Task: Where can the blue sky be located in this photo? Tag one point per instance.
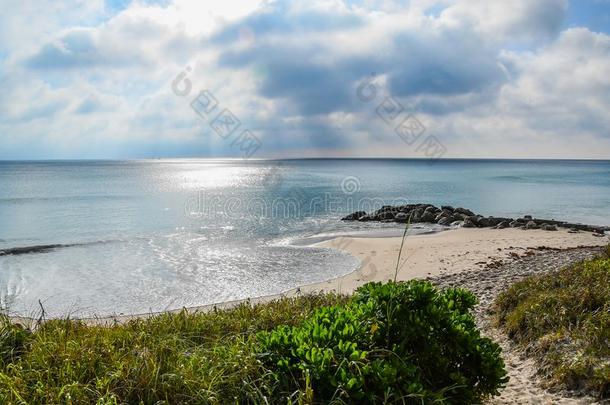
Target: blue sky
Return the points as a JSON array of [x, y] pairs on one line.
[[109, 79]]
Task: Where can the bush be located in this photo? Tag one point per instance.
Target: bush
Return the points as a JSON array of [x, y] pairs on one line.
[[395, 342], [563, 318]]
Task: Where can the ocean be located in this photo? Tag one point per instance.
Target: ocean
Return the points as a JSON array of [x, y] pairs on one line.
[[145, 236]]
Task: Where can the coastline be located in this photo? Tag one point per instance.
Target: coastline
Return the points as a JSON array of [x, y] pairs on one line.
[[427, 255]]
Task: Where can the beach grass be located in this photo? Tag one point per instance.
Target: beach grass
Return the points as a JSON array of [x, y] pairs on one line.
[[317, 348], [168, 358], [563, 319]]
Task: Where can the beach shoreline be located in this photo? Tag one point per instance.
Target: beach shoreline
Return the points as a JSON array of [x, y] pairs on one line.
[[425, 256]]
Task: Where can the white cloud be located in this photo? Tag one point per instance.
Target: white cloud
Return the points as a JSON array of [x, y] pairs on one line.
[[82, 83]]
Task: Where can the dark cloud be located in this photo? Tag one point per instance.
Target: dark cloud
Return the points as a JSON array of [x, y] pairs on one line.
[[277, 19]]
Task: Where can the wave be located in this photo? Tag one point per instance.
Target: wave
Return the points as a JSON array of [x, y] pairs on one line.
[[33, 249], [15, 200]]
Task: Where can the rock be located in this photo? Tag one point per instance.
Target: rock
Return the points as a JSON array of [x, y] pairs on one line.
[[531, 225], [484, 222], [548, 227], [447, 207], [416, 215], [464, 211], [428, 216], [402, 217], [494, 221], [365, 218], [354, 216], [457, 223], [384, 215], [527, 217], [469, 222], [432, 209], [460, 215], [446, 221], [502, 225]]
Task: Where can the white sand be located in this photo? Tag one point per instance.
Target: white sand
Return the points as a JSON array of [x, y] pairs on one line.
[[445, 252]]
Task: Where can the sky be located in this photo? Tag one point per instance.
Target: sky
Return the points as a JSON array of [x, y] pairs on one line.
[[116, 79]]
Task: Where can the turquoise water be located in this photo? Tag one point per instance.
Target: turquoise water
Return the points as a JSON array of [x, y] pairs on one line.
[[146, 236]]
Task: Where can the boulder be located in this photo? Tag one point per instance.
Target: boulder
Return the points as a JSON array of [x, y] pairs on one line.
[[494, 221], [460, 215], [428, 216], [457, 223], [447, 207], [531, 225], [484, 222], [502, 225], [469, 222], [384, 215], [464, 211], [354, 216], [549, 227], [365, 218], [401, 217], [446, 221], [527, 217], [416, 215]]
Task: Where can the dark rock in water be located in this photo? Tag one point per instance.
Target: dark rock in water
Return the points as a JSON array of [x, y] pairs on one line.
[[464, 211], [446, 221], [384, 215], [494, 221], [432, 209], [416, 215], [445, 215], [502, 225], [469, 222], [402, 217], [428, 216], [484, 222], [354, 216]]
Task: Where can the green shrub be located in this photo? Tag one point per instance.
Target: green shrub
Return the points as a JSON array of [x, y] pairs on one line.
[[395, 342], [563, 318]]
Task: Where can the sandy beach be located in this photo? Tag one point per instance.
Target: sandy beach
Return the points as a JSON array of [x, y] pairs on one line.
[[448, 252]]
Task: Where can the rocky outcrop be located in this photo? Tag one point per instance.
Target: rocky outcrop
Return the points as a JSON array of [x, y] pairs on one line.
[[354, 216], [446, 215]]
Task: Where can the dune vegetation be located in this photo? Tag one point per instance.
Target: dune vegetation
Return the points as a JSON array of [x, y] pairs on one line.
[[562, 318], [387, 343]]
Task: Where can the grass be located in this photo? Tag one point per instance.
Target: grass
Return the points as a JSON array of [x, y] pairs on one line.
[[563, 319], [170, 358]]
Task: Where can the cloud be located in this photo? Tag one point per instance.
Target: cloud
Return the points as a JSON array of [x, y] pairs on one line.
[[488, 78]]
